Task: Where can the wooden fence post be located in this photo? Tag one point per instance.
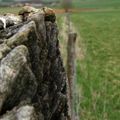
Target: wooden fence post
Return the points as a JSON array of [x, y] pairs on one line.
[[71, 69]]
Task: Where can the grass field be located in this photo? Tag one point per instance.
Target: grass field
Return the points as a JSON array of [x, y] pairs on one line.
[[98, 74], [4, 10], [96, 3]]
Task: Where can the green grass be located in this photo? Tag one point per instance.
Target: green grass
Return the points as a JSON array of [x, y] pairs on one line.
[[4, 10], [98, 74], [96, 3]]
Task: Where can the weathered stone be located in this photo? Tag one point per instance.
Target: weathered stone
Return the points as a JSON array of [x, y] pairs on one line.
[[9, 20], [4, 49], [31, 70], [28, 9], [14, 73], [49, 14], [22, 113], [21, 36]]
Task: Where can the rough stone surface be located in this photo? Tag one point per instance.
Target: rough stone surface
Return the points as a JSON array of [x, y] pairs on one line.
[[32, 76], [22, 113]]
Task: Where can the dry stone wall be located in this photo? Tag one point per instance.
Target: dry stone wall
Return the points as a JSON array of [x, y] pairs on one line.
[[32, 76]]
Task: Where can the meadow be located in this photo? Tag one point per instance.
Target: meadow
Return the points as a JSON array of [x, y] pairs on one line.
[[96, 3], [14, 10], [98, 74], [98, 71], [98, 68]]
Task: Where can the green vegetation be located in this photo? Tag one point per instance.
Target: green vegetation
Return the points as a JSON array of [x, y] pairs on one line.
[[98, 74], [96, 3], [4, 10]]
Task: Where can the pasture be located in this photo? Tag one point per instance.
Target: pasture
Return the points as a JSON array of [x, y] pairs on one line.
[[98, 71], [98, 74], [4, 10], [96, 4]]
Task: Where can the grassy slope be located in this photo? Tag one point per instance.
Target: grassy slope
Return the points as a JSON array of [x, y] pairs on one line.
[[100, 79]]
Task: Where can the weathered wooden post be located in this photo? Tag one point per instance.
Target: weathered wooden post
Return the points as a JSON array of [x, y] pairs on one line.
[[67, 4], [71, 69]]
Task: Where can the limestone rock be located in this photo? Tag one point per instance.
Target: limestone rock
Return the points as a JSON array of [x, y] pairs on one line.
[[32, 76], [22, 113]]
